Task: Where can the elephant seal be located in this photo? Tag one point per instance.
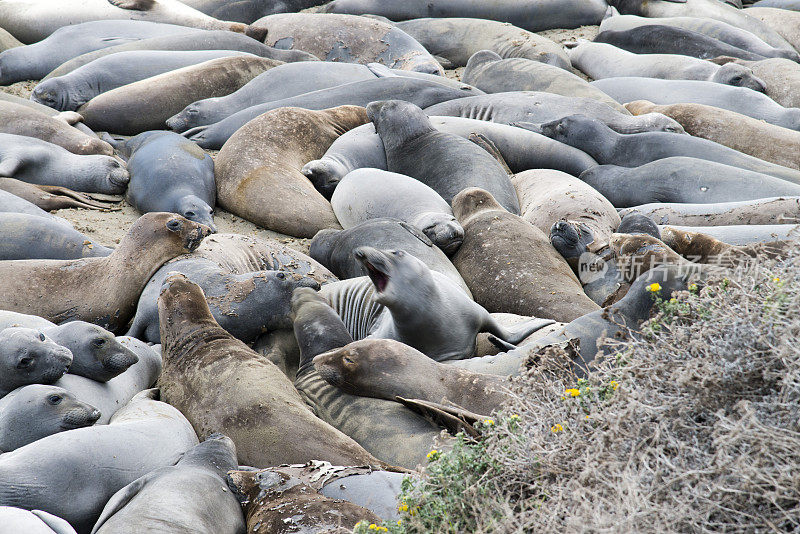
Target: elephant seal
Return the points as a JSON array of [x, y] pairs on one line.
[[385, 305], [39, 162], [361, 197], [386, 369], [335, 248], [8, 41], [751, 136], [20, 120], [33, 237], [191, 496], [36, 411], [36, 60], [608, 147], [599, 60], [258, 170], [535, 106], [110, 396], [385, 428], [456, 39], [218, 382], [637, 223], [420, 92], [781, 75], [656, 39], [95, 462], [29, 357], [702, 248], [276, 503], [415, 148], [746, 234], [348, 39], [170, 173], [638, 253], [99, 290], [12, 204], [784, 22], [528, 276], [548, 196], [33, 521], [34, 21], [716, 29], [738, 99], [247, 11], [45, 198], [773, 210], [204, 40], [684, 180], [72, 90], [147, 104], [533, 16], [489, 72]]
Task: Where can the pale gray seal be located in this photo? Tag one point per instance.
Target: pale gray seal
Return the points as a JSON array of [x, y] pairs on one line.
[[28, 236], [27, 356], [33, 521], [247, 11], [773, 210]]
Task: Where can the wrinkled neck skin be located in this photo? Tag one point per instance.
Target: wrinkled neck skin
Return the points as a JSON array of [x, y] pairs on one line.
[[213, 454], [401, 129], [318, 329], [186, 323]]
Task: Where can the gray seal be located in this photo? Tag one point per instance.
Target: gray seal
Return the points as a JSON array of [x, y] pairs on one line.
[[36, 411], [13, 204], [33, 521], [39, 162], [445, 162], [247, 11], [781, 75], [685, 180], [190, 496], [27, 356], [599, 60], [95, 462], [772, 210], [489, 72], [33, 237], [170, 173]]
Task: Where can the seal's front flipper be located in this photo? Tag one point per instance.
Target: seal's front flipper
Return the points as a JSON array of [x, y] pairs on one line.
[[453, 418], [487, 144], [56, 524], [497, 342], [518, 333], [136, 5], [74, 199], [120, 499]]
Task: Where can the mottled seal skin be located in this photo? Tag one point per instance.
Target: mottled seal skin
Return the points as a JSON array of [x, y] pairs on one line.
[[456, 39], [20, 120], [334, 248], [386, 369], [27, 356], [536, 106], [385, 428], [36, 411], [444, 162], [608, 147], [782, 21], [95, 462], [531, 15], [205, 40], [600, 60], [34, 61], [638, 253], [110, 396], [219, 383], [258, 170], [72, 90], [247, 11], [510, 265], [491, 73], [99, 290], [147, 104], [750, 136], [349, 39], [190, 496], [39, 162], [33, 237], [745, 234], [773, 210], [33, 21], [275, 503], [33, 522], [420, 92], [738, 99], [684, 180], [702, 248], [170, 173], [361, 196]]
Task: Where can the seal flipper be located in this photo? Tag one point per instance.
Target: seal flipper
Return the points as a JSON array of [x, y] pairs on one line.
[[487, 144], [56, 524], [518, 333], [75, 199], [121, 498], [381, 71], [453, 418], [135, 5]]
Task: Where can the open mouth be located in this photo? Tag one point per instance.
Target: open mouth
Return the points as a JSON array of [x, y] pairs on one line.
[[378, 278]]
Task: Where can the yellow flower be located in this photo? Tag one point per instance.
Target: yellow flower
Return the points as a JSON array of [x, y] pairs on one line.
[[514, 417], [373, 526], [382, 529], [776, 279], [572, 392], [614, 385], [399, 522], [556, 428], [402, 508], [655, 286], [433, 455], [692, 287], [673, 300], [488, 422]]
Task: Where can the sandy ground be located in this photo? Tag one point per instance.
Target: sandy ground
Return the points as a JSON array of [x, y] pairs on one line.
[[108, 227]]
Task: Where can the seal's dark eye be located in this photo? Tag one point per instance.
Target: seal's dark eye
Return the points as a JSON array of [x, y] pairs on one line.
[[99, 342], [348, 360], [280, 276], [189, 214], [24, 362], [41, 336], [174, 225], [54, 399]]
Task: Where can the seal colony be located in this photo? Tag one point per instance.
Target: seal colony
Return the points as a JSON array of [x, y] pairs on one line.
[[415, 235]]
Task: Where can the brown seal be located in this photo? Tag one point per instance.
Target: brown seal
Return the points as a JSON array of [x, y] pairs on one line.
[[387, 369], [276, 503], [258, 169], [638, 253], [702, 248], [103, 291], [147, 104], [221, 385], [53, 197], [510, 265], [751, 136]]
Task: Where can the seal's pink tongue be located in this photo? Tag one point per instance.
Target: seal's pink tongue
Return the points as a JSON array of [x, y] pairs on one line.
[[378, 278]]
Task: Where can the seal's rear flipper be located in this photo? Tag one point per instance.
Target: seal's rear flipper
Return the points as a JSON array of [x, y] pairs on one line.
[[497, 342], [121, 498], [518, 333], [257, 33], [56, 524], [453, 418], [135, 5], [74, 199], [487, 144]]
